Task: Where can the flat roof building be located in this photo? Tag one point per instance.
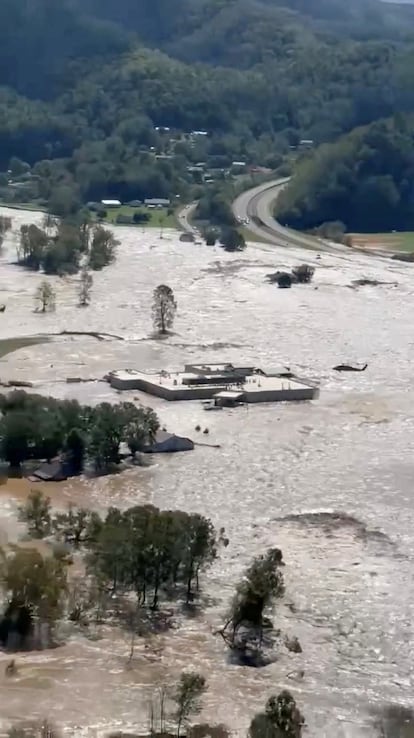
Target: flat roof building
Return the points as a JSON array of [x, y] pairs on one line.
[[157, 202], [205, 382]]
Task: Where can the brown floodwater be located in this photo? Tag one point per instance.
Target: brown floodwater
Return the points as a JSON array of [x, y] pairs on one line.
[[281, 473]]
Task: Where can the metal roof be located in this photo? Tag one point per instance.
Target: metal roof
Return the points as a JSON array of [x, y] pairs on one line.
[[229, 395]]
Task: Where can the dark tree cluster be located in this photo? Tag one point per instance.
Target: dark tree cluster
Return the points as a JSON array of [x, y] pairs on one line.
[[147, 551], [59, 246], [34, 587], [261, 585], [363, 180], [142, 550], [37, 427], [302, 274], [280, 719]]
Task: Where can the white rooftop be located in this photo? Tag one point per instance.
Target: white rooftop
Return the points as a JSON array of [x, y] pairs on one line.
[[172, 380]]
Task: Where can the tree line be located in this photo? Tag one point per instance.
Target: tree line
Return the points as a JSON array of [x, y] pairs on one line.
[[175, 706], [61, 245], [81, 144], [143, 550], [154, 556], [33, 427], [363, 181]]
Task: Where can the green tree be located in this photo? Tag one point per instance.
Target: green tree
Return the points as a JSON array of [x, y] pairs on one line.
[[85, 286], [232, 240], [36, 513], [63, 250], [17, 433], [102, 249], [30, 580], [281, 719], [18, 167], [210, 236], [45, 297], [32, 246], [75, 448], [187, 697], [77, 527], [164, 308], [200, 549], [5, 224], [64, 199], [262, 583], [148, 551]]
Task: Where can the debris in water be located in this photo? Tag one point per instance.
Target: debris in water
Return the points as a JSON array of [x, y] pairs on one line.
[[350, 367]]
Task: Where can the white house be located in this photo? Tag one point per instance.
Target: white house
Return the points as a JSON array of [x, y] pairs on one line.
[[111, 203]]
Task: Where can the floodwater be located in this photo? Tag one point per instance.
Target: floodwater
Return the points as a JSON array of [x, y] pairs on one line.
[[349, 584]]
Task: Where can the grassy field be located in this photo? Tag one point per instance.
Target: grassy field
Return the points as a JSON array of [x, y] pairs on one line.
[[159, 217], [401, 241], [251, 236], [33, 206]]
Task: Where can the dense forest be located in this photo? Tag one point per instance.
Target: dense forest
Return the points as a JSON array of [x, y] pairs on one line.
[[85, 107], [365, 180]]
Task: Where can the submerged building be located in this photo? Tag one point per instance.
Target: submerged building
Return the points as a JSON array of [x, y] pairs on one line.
[[206, 382]]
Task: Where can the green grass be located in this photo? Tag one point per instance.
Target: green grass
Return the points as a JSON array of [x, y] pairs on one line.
[[398, 241], [33, 206], [159, 217], [251, 236], [9, 345], [405, 240]]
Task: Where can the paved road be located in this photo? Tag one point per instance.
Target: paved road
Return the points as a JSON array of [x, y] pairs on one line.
[[257, 205], [184, 217]]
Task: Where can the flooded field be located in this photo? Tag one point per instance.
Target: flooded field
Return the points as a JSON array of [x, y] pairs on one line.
[[280, 475]]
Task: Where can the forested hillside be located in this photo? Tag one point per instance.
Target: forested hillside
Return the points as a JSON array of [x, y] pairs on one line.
[[365, 180], [84, 86]]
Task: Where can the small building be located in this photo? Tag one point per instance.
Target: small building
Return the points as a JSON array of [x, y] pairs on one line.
[[167, 443], [54, 471], [134, 203], [111, 203], [228, 398], [156, 202]]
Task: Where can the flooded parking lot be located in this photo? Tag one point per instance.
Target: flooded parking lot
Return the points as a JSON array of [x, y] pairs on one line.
[[349, 590]]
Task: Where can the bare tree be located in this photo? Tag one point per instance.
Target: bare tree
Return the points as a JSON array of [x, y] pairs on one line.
[[85, 286], [45, 297], [164, 308], [157, 711]]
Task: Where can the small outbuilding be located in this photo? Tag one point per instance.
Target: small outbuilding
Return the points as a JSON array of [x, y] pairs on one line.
[[156, 202], [53, 471], [167, 443], [228, 398], [111, 203]]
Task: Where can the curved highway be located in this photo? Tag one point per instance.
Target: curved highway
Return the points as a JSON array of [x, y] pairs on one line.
[[256, 206]]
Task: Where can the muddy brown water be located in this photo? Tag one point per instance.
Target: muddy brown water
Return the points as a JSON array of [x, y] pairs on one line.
[[280, 478]]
